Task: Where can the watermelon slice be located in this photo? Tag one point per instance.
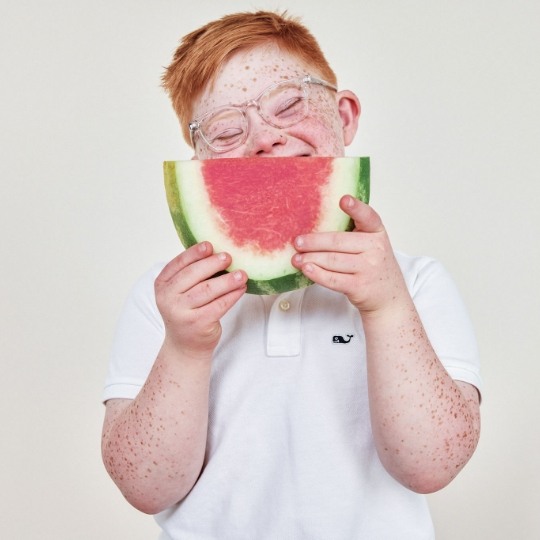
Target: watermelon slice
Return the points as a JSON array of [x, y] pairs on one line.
[[253, 208]]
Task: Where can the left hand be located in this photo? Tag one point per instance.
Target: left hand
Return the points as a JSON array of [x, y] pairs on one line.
[[359, 264]]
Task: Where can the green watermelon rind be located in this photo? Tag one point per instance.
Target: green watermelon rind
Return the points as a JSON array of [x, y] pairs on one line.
[[173, 170]]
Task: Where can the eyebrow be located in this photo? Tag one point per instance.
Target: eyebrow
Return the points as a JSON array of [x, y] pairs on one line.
[[300, 78]]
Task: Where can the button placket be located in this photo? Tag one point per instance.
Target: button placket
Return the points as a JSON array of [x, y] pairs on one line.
[[284, 325]]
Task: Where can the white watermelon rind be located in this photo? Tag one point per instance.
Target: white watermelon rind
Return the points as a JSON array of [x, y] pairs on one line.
[[195, 220]]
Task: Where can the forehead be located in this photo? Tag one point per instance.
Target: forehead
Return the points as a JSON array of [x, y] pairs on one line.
[[246, 74]]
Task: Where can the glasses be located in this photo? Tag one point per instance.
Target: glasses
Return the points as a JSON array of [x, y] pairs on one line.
[[281, 105]]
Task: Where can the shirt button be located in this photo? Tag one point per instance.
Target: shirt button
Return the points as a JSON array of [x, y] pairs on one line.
[[284, 305]]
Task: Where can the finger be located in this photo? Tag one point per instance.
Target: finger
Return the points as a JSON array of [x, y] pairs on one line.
[[364, 217], [336, 281], [199, 271], [216, 288], [344, 242], [196, 264], [333, 261], [187, 257], [224, 303]]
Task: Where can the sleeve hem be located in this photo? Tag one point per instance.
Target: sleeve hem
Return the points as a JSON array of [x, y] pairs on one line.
[[120, 391], [465, 375]]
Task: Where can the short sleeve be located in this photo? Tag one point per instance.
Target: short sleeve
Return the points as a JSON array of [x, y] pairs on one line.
[[137, 340], [444, 317]]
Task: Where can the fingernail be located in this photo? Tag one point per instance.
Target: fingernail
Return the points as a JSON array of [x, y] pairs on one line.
[[350, 202], [298, 258], [308, 268], [299, 241], [203, 247], [222, 256], [238, 275]]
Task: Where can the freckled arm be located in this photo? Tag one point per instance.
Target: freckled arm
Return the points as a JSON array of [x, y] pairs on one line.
[[426, 426], [153, 446]]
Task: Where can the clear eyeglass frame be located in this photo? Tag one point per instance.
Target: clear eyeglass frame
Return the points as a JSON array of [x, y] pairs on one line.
[[238, 135]]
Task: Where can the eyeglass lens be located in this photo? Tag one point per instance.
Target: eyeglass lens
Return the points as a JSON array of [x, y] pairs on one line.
[[281, 106]]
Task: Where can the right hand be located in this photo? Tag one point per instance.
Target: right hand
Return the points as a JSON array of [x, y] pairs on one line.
[[192, 301]]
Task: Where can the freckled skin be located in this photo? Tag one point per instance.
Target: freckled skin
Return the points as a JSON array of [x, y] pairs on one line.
[[153, 446], [425, 425], [147, 448], [244, 77]]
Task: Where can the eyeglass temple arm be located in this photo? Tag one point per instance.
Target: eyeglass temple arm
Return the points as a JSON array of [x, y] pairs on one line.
[[314, 80]]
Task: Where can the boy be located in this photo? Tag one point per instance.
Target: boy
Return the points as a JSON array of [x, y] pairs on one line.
[[233, 416]]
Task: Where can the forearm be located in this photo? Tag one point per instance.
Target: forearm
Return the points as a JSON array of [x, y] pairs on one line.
[[425, 427], [154, 447]]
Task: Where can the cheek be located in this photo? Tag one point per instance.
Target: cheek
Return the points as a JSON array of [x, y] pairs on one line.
[[202, 152], [326, 113], [324, 125]]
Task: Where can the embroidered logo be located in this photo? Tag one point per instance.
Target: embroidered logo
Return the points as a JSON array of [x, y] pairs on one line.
[[341, 339]]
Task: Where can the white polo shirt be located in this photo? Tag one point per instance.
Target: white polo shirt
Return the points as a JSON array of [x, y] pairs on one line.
[[290, 453]]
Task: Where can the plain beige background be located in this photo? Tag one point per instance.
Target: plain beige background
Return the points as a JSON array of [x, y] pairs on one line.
[[451, 120]]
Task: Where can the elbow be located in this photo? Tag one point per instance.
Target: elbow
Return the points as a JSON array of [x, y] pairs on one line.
[[425, 476], [422, 481], [151, 498], [150, 494], [425, 485], [143, 501], [144, 496], [435, 470], [429, 480], [150, 507]]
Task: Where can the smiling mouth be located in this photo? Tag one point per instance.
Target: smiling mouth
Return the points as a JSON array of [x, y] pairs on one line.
[[288, 156]]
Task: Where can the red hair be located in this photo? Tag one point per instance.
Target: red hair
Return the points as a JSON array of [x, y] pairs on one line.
[[202, 52]]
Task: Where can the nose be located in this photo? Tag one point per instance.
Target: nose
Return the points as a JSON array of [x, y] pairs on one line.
[[263, 139]]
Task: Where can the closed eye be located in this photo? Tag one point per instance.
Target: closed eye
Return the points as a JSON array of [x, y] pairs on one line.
[[227, 136], [290, 107]]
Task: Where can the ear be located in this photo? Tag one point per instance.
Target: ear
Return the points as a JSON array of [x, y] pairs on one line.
[[349, 111]]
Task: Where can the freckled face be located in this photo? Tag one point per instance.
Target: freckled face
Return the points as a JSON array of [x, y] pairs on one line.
[[244, 77]]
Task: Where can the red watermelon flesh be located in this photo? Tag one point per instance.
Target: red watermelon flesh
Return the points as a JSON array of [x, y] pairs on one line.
[[253, 208], [286, 199]]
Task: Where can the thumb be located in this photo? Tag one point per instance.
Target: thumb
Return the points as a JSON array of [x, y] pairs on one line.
[[364, 217]]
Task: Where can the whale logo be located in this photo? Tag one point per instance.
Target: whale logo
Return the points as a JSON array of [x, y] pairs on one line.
[[341, 339]]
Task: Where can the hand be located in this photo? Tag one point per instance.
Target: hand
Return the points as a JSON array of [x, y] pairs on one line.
[[360, 264], [192, 301]]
